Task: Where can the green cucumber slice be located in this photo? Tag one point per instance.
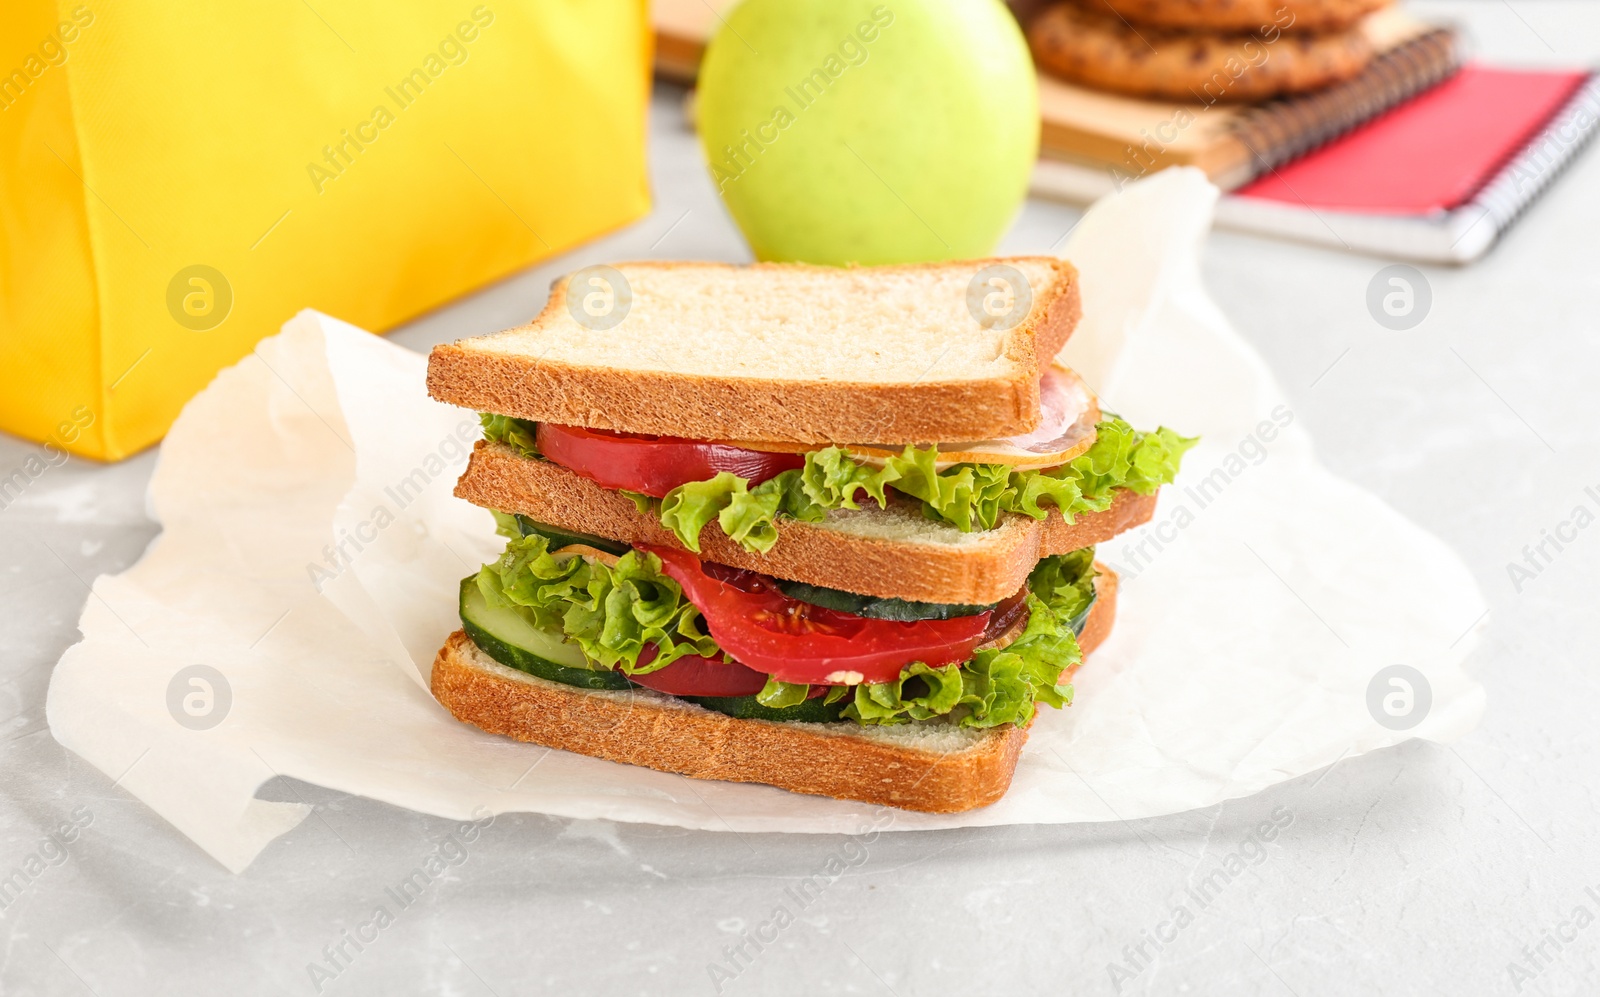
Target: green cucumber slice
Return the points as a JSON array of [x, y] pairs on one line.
[[746, 708], [899, 610], [559, 537], [506, 636]]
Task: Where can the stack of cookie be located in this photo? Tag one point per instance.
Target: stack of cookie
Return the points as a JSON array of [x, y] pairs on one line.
[[1204, 51]]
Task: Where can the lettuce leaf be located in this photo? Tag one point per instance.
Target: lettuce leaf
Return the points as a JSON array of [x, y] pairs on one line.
[[518, 434], [1066, 584], [999, 685], [506, 524], [781, 694], [831, 479], [967, 496], [972, 496], [647, 505], [747, 515], [922, 692], [612, 613]]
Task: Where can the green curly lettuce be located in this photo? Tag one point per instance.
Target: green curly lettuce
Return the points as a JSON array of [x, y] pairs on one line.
[[831, 478], [646, 504], [1066, 584], [506, 524], [998, 686], [973, 496], [612, 612], [967, 496], [518, 434], [780, 695], [746, 514]]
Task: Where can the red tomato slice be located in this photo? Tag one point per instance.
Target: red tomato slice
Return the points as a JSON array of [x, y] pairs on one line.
[[795, 641], [697, 676], [654, 465]]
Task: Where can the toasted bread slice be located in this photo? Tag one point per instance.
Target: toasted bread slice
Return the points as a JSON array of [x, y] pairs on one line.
[[778, 352], [930, 767], [892, 553]]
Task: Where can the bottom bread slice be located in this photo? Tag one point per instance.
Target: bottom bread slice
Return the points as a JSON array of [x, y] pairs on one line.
[[929, 767]]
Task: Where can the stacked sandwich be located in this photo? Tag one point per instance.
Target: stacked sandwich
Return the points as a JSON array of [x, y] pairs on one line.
[[826, 529], [1204, 50]]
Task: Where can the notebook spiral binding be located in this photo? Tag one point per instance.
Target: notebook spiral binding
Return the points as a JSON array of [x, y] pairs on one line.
[[1281, 130], [1510, 192]]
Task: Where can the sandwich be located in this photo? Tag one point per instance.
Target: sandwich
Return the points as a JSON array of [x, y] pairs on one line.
[[831, 530]]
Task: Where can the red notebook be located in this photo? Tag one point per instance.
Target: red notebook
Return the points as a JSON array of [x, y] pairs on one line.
[[1438, 178], [1431, 154]]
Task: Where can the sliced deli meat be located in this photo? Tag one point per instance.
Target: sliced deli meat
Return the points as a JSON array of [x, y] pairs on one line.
[[1068, 410]]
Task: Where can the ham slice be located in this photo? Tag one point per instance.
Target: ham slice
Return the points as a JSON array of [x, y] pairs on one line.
[[1068, 410], [1069, 413]]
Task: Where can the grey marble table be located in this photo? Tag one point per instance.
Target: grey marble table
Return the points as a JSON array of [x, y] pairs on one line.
[[1472, 868]]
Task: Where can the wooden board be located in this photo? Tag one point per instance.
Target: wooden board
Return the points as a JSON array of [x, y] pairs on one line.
[[682, 29]]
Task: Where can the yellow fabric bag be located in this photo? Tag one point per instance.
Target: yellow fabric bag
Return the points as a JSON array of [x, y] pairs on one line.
[[178, 178]]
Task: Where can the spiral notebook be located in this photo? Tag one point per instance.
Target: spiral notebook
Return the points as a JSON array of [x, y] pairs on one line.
[[1436, 179]]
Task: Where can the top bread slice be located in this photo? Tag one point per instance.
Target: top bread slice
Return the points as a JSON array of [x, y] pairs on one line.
[[892, 553], [779, 351]]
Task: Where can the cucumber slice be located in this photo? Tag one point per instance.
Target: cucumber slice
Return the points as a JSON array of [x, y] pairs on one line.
[[746, 708], [899, 610], [561, 538], [506, 636]]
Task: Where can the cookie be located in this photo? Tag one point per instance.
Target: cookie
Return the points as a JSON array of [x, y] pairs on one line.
[[1080, 44], [1244, 15]]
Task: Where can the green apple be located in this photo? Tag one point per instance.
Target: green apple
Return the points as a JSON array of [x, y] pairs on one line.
[[869, 131]]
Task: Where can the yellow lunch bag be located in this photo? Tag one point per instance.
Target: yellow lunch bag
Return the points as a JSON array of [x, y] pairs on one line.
[[178, 178]]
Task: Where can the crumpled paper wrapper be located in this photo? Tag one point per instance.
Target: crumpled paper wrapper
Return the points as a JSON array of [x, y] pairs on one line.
[[284, 621]]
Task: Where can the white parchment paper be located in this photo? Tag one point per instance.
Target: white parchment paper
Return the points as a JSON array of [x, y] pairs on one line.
[[284, 620]]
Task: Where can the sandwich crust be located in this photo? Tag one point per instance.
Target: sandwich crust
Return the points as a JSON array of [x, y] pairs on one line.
[[541, 385], [920, 561], [951, 771]]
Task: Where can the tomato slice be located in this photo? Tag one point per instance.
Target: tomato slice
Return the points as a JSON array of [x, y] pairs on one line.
[[697, 676], [654, 465], [795, 641]]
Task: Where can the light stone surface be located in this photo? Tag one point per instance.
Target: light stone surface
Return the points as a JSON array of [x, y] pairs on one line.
[[1422, 869]]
